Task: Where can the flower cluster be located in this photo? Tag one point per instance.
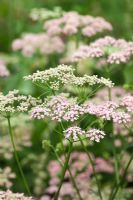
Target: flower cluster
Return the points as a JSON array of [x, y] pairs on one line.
[[38, 43], [108, 111], [62, 108], [123, 103], [115, 51], [95, 134], [6, 175], [8, 195], [3, 69], [64, 75], [72, 22], [82, 172], [58, 108], [127, 101], [75, 132], [85, 51], [14, 102]]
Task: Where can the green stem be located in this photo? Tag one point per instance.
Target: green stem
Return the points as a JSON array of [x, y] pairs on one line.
[[116, 165], [122, 180], [71, 176], [16, 156], [109, 94], [74, 184], [116, 168], [116, 173], [107, 69], [65, 167], [94, 171]]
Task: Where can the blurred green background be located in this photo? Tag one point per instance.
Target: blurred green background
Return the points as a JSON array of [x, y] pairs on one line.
[[14, 15]]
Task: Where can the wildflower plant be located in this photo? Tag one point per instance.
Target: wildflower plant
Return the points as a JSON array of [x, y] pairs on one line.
[[70, 103], [67, 110], [11, 104]]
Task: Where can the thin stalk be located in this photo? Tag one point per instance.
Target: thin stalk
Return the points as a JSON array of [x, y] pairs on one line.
[[115, 157], [70, 173], [92, 164], [118, 181], [116, 165], [116, 168], [108, 76], [16, 156], [74, 184], [109, 94], [59, 160], [65, 167], [122, 180], [71, 176]]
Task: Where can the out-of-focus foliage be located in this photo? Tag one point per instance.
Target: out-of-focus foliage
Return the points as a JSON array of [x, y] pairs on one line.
[[14, 15]]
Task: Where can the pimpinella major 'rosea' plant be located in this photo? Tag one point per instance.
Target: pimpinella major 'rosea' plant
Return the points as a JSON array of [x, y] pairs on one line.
[[67, 97], [69, 110]]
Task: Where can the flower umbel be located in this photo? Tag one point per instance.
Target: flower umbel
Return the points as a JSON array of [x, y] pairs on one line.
[[14, 102], [73, 132], [95, 134], [63, 75]]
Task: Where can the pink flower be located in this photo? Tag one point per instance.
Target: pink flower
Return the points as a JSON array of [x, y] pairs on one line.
[[88, 31], [121, 117], [114, 51], [127, 101], [69, 29], [95, 134], [72, 22], [73, 132], [118, 57]]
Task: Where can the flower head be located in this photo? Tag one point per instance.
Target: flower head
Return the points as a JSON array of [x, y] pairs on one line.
[[63, 75], [73, 132], [31, 43], [71, 23], [95, 134], [14, 102], [108, 111], [127, 101], [113, 50], [58, 108]]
